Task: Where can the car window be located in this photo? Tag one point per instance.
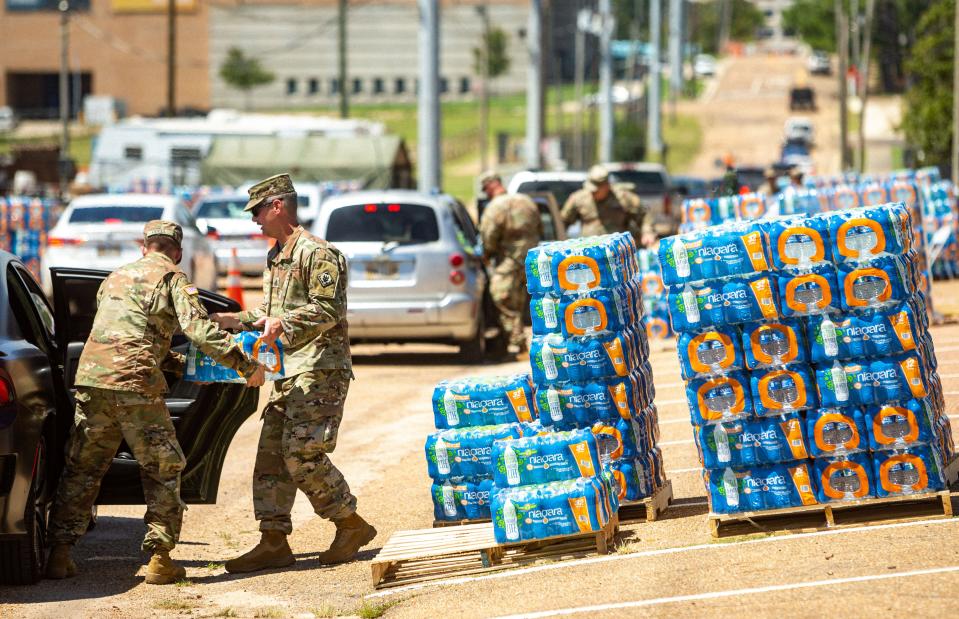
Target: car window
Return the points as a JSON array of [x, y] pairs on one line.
[[224, 208], [464, 225], [383, 223], [115, 214], [546, 216], [643, 181], [24, 308], [561, 190], [302, 200]]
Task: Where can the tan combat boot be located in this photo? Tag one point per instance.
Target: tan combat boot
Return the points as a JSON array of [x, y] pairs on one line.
[[352, 533], [163, 570], [272, 551], [60, 564]]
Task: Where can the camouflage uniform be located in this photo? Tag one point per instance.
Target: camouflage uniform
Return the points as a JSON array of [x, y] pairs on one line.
[[120, 387], [621, 211], [305, 286], [510, 227]]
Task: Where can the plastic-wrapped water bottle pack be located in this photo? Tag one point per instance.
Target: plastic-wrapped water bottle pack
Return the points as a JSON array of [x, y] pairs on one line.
[[811, 375]]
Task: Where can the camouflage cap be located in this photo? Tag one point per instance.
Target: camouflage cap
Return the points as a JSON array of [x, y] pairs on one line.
[[158, 227], [488, 176], [277, 185], [597, 175]]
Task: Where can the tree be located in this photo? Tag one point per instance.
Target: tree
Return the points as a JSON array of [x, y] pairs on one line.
[[244, 73], [490, 60], [927, 118], [704, 23]]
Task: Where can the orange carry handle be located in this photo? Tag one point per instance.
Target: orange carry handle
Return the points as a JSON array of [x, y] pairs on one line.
[[611, 431], [738, 406], [710, 336], [565, 265], [698, 211], [889, 411], [860, 222], [595, 304], [751, 207], [844, 465], [796, 231], [845, 197], [790, 336], [852, 443], [796, 282], [874, 195], [850, 281], [771, 404], [271, 346], [889, 486]]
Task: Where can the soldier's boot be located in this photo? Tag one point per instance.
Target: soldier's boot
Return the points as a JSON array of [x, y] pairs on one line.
[[272, 551], [352, 533], [162, 570], [60, 564]]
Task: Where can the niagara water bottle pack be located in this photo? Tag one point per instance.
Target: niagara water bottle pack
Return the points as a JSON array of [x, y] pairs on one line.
[[470, 414], [700, 213], [589, 354], [655, 306], [810, 371], [203, 368]]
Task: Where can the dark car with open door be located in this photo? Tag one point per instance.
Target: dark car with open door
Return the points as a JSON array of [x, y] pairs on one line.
[[40, 345]]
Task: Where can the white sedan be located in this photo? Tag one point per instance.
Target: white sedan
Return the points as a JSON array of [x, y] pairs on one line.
[[105, 231]]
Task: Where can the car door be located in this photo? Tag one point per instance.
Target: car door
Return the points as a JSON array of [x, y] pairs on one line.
[[205, 416]]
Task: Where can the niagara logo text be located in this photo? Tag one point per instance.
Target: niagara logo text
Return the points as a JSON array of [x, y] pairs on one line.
[[878, 375], [538, 514], [547, 459], [765, 435], [474, 451], [492, 403], [772, 480]]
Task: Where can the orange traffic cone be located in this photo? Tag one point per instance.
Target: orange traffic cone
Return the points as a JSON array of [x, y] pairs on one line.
[[234, 283]]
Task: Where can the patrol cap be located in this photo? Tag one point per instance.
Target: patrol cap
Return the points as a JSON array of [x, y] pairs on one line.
[[597, 175], [275, 186], [158, 227], [488, 176]]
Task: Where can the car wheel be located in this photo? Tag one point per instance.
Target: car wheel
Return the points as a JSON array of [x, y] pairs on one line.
[[21, 558], [474, 351]]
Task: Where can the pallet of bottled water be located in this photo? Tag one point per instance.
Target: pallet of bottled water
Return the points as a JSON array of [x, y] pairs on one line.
[[810, 372]]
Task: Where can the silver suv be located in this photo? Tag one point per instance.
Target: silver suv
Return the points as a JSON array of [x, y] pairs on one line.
[[414, 269]]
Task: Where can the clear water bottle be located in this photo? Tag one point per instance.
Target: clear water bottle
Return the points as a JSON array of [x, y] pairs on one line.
[[442, 457]]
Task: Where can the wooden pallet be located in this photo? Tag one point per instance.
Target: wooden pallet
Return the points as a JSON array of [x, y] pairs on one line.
[[431, 554], [647, 509], [884, 510], [458, 523]]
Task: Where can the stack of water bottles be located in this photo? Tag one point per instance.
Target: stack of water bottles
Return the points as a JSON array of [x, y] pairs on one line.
[[655, 306], [24, 223], [810, 371], [701, 213], [470, 414], [590, 353]]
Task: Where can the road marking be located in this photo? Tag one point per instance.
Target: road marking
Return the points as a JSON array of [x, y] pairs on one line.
[[712, 595], [685, 441], [654, 553]]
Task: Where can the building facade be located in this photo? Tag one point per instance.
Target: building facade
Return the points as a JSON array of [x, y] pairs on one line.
[[116, 48]]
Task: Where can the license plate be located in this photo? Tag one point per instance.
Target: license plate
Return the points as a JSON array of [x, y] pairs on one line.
[[382, 270]]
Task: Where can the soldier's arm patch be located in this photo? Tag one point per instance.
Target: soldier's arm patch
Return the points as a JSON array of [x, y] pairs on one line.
[[325, 278], [191, 290]]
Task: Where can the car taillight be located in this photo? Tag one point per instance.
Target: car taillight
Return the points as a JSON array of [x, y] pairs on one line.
[[6, 392], [393, 208], [456, 260], [59, 241], [213, 235], [457, 277]]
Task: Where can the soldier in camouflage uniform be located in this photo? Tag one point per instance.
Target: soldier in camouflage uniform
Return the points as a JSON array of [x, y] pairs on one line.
[[120, 387], [603, 209], [510, 227], [304, 304]]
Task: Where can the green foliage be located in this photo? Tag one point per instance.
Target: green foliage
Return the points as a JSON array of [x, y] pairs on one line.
[[927, 120], [242, 72], [813, 21], [629, 143], [497, 57], [704, 23]]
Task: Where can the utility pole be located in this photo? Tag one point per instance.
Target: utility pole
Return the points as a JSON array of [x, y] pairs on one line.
[[955, 105], [865, 49], [171, 59], [341, 40], [483, 11], [675, 53], [842, 37], [428, 134], [534, 85], [725, 23], [582, 23], [654, 141], [64, 7], [605, 98]]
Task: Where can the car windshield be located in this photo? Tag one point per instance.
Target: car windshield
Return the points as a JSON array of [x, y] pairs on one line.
[[116, 214], [405, 224], [643, 181], [561, 190], [223, 209]]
